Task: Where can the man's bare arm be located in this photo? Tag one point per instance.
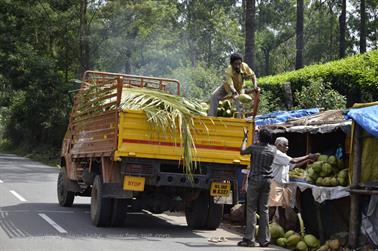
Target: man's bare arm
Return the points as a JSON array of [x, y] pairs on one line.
[[302, 163], [309, 157], [243, 147]]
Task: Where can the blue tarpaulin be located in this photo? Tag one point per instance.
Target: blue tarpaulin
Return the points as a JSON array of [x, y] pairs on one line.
[[367, 118], [283, 116]]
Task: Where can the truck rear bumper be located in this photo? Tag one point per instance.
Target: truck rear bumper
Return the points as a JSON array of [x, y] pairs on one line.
[[170, 173]]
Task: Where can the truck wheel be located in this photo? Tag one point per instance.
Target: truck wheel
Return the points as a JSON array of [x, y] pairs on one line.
[[100, 206], [65, 198], [203, 213], [196, 212], [119, 212], [215, 215]]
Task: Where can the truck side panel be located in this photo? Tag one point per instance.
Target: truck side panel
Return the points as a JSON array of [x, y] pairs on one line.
[[217, 140], [95, 135]]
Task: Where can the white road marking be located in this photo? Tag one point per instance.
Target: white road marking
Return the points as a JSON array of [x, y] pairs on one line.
[[1, 181], [37, 211], [17, 196], [53, 224]]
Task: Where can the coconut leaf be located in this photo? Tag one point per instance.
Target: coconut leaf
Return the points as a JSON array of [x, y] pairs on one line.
[[169, 114]]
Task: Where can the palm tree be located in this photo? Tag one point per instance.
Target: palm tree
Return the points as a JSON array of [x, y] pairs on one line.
[[342, 24], [299, 35], [362, 26], [250, 29]]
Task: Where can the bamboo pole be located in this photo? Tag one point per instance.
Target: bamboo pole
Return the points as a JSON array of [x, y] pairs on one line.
[[364, 192], [354, 219]]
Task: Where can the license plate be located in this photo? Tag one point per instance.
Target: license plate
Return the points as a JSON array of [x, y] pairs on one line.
[[220, 189], [133, 183]]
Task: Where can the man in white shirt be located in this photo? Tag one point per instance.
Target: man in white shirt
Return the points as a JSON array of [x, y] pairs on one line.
[[282, 193]]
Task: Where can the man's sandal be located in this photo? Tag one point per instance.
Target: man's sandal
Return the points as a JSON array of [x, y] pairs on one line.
[[246, 243]]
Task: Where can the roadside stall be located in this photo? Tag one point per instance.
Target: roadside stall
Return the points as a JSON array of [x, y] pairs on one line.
[[364, 169], [338, 199], [322, 188], [276, 117]]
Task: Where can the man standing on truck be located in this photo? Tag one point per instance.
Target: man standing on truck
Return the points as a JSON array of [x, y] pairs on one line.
[[233, 84], [259, 181], [282, 193]]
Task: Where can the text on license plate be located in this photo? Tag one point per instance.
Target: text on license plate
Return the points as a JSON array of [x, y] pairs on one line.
[[220, 189]]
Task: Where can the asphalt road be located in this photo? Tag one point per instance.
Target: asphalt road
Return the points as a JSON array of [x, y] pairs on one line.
[[31, 219]]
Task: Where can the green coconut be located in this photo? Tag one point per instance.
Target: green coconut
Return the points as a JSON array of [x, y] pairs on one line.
[[323, 157], [323, 174], [334, 244], [281, 242], [220, 111], [245, 98], [319, 181], [227, 113], [317, 166], [227, 104], [340, 164], [311, 241], [293, 240], [276, 231], [301, 246], [327, 181], [343, 174], [204, 106], [326, 168], [334, 181], [289, 233], [341, 181], [310, 172], [323, 248], [332, 160]]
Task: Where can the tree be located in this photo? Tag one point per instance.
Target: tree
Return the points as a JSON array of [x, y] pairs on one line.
[[83, 37], [250, 28], [342, 27], [362, 26], [299, 35]]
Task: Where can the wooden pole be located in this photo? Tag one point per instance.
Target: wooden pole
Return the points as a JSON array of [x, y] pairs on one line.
[[364, 192], [320, 223], [354, 219]]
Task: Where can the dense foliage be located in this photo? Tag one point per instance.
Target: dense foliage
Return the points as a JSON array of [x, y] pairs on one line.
[[355, 77], [44, 44]]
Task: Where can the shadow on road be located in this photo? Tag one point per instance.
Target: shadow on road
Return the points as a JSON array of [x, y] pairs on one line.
[[22, 220]]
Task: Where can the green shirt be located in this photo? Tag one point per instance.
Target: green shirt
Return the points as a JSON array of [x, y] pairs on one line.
[[233, 78]]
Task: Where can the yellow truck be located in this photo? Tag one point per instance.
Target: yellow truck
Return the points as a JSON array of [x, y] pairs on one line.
[[109, 154]]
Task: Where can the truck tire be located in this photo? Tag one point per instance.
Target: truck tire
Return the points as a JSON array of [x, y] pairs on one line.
[[119, 212], [100, 206], [196, 212], [215, 215], [203, 213], [65, 198]]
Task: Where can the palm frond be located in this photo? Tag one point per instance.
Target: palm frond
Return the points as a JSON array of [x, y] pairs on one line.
[[169, 114]]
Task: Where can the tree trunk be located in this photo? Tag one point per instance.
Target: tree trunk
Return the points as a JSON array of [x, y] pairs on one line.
[[267, 61], [242, 20], [342, 27], [66, 63], [127, 67], [250, 28], [83, 37], [331, 38], [299, 35], [362, 27]]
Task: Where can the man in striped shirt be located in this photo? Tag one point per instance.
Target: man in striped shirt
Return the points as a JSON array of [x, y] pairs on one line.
[[259, 181]]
